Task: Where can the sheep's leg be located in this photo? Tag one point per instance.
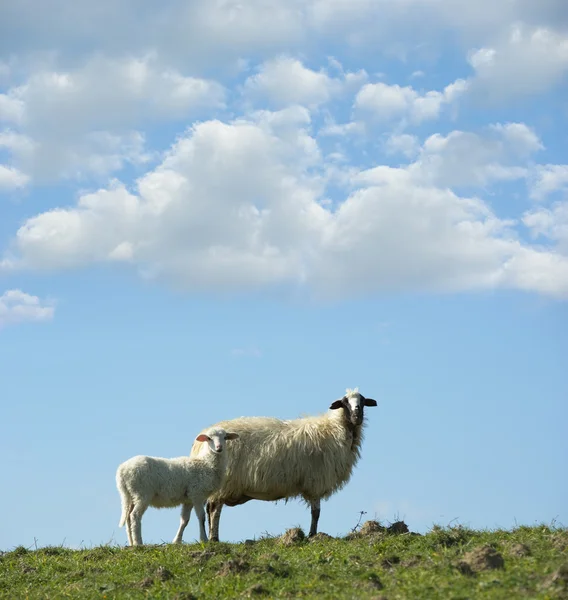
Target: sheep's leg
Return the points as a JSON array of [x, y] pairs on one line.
[[129, 523], [136, 517], [184, 520], [208, 510], [200, 512], [315, 505], [214, 516]]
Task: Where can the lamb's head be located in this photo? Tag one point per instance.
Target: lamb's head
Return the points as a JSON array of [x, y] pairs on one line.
[[353, 405], [216, 438]]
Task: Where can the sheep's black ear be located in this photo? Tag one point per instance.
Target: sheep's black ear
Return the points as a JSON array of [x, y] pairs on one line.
[[370, 402], [232, 436], [337, 403]]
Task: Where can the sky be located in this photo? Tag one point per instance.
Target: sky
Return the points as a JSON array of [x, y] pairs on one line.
[[212, 209]]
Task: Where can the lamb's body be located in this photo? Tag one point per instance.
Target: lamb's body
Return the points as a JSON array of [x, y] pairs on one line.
[[310, 458], [145, 481]]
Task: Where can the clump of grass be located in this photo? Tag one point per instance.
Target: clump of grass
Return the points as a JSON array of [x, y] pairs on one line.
[[448, 563]]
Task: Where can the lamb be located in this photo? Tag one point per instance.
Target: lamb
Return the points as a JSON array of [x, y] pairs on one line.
[[145, 481], [310, 457]]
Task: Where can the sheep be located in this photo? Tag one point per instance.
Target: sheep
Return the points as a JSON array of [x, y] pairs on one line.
[[144, 481], [310, 457]]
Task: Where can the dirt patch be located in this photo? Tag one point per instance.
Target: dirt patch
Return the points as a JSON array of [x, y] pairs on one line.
[[375, 582], [398, 528], [320, 537], [201, 556], [146, 583], [234, 566], [520, 550], [163, 574], [390, 561], [480, 559], [560, 541], [27, 569], [185, 596], [270, 556], [411, 562], [292, 536], [370, 527], [256, 590], [558, 579]]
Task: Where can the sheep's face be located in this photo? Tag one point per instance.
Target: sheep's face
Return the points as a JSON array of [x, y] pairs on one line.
[[216, 439], [353, 405]]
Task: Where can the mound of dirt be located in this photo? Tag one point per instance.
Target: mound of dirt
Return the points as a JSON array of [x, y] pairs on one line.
[[481, 559], [320, 537], [558, 579], [292, 536], [520, 550], [233, 566], [256, 590], [163, 574], [370, 527], [398, 528]]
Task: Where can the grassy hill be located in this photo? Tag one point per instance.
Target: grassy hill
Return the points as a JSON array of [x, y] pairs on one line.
[[375, 562]]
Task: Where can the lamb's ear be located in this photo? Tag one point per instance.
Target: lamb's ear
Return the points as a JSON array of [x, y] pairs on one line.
[[231, 436], [337, 403], [202, 438], [370, 402]]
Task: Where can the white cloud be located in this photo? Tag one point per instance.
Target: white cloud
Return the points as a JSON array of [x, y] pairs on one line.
[[551, 223], [331, 128], [18, 307], [525, 61], [284, 81], [404, 143], [389, 102], [242, 204], [469, 159], [11, 108], [549, 179], [11, 179], [78, 122], [460, 158]]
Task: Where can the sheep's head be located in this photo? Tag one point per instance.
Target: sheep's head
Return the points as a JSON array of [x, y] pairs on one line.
[[216, 439], [353, 405]]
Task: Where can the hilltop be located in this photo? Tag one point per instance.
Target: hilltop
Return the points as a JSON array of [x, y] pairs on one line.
[[373, 562]]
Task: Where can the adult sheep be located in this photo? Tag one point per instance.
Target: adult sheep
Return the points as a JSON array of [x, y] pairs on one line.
[[310, 457]]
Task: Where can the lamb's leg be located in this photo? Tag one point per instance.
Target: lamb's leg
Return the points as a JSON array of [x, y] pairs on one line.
[[129, 523], [136, 517], [315, 505], [184, 520], [200, 512], [209, 506], [215, 515]]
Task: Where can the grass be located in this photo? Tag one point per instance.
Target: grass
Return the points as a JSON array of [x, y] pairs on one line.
[[448, 563]]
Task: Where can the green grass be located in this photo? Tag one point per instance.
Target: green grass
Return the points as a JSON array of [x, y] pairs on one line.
[[527, 562]]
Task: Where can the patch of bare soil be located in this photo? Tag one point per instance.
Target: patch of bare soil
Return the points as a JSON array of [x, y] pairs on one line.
[[370, 527], [320, 537], [233, 566], [398, 528], [390, 561], [520, 550], [292, 536], [558, 580], [480, 559], [256, 590]]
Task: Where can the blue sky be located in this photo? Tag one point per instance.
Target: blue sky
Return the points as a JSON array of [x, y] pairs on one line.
[[213, 209]]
